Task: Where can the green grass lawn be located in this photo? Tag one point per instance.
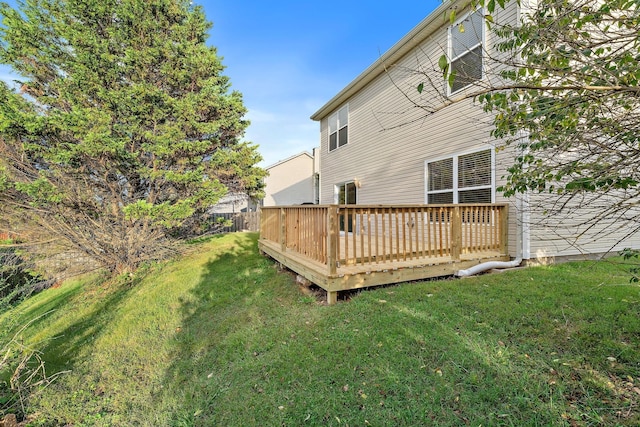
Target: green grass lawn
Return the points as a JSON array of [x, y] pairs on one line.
[[221, 338]]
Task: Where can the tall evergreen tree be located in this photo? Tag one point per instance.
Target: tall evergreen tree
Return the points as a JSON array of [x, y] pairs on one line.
[[123, 129]]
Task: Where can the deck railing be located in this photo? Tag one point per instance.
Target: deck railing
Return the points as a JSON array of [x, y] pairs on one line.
[[341, 235]]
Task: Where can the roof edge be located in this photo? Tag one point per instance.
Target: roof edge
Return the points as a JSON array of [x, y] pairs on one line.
[[412, 39], [279, 162]]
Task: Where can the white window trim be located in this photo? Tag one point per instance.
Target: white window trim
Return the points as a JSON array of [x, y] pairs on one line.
[[455, 174], [450, 49], [336, 113]]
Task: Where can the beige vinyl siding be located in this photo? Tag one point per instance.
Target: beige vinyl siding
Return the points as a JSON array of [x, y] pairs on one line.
[[290, 182], [573, 232], [390, 139]]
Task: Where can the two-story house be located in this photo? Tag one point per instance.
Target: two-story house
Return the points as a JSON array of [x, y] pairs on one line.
[[383, 142]]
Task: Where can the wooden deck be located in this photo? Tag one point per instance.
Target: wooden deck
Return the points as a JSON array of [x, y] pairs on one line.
[[342, 247]]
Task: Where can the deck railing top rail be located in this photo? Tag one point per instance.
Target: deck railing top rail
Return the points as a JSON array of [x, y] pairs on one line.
[[394, 206]]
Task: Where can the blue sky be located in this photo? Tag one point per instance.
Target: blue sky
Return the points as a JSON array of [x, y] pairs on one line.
[[288, 58]]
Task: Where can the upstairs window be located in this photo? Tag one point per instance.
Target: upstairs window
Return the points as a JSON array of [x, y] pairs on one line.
[[339, 128], [466, 178], [466, 38]]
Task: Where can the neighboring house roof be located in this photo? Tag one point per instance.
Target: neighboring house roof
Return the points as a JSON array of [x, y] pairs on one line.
[[435, 20], [304, 153], [291, 181]]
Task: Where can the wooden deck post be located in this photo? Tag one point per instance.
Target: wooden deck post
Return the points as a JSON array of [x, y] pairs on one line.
[[283, 230], [332, 297], [456, 234], [332, 239], [504, 229]]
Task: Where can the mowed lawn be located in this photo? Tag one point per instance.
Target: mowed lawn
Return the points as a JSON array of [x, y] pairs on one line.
[[220, 337]]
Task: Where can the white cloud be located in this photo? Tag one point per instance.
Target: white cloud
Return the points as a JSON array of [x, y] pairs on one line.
[[282, 138], [280, 100], [255, 115]]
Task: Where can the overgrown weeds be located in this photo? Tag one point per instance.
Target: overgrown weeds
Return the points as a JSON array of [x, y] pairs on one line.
[[25, 369]]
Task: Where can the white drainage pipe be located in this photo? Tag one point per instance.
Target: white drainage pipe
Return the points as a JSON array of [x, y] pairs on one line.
[[521, 229], [488, 266]]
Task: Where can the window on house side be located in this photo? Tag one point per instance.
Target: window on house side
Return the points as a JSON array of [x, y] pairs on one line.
[[466, 178], [339, 128], [346, 194], [440, 181], [316, 188], [474, 177], [465, 49]]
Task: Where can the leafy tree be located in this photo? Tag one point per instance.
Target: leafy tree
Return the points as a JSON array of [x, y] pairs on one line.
[[562, 88], [123, 130], [572, 90], [572, 86]]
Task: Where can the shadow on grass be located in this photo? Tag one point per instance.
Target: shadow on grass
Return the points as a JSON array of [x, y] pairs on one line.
[[235, 282], [38, 313], [440, 353], [73, 340]]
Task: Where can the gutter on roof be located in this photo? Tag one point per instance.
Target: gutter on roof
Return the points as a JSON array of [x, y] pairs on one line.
[[417, 35]]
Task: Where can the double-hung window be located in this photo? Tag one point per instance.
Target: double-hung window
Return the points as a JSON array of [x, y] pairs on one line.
[[339, 128], [466, 178], [466, 38]]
